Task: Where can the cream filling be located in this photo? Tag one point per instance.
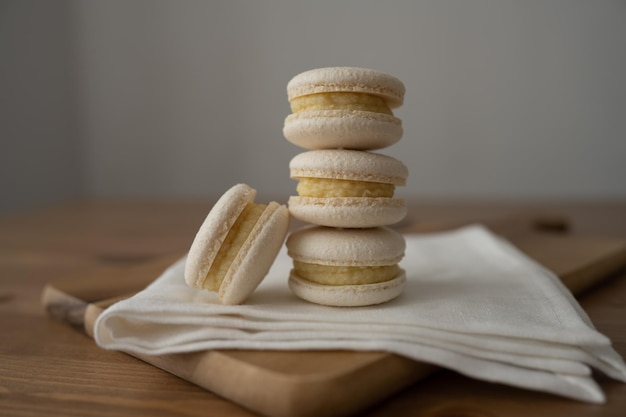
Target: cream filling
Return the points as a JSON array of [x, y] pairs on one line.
[[345, 275], [340, 101], [235, 239], [326, 188]]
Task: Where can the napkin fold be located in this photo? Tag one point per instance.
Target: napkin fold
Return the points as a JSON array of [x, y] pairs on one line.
[[473, 303]]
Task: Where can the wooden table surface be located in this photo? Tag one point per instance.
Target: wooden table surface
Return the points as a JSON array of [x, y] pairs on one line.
[[47, 368]]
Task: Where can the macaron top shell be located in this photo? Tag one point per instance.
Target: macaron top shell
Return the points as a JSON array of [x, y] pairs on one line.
[[339, 247], [213, 231], [349, 165], [347, 79]]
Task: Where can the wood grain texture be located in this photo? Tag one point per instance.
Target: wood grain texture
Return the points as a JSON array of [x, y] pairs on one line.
[[46, 368]]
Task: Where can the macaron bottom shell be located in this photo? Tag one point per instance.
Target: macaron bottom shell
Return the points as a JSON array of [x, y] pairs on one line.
[[256, 255], [348, 129], [348, 212], [347, 295]]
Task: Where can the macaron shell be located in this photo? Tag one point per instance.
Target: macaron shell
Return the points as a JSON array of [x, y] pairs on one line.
[[348, 212], [378, 246], [347, 79], [256, 256], [347, 295], [213, 231], [349, 165], [332, 129]]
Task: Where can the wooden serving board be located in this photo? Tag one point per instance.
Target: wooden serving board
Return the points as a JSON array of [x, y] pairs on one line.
[[314, 383]]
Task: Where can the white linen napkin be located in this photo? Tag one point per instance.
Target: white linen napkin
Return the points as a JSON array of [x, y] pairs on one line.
[[473, 303]]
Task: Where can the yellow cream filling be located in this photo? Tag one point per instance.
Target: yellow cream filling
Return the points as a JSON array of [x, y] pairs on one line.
[[340, 101], [324, 187], [235, 239], [345, 275]]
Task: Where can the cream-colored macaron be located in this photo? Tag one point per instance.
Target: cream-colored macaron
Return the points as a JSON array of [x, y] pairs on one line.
[[346, 267], [236, 245], [347, 188], [343, 107]]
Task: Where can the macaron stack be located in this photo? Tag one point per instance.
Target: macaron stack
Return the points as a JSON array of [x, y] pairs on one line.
[[347, 256]]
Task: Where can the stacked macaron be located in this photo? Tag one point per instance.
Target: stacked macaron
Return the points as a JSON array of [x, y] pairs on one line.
[[347, 256]]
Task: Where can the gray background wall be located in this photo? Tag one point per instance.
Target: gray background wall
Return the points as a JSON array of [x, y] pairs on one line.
[[143, 99]]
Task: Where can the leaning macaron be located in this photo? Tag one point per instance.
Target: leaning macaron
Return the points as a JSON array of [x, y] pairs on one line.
[[347, 188], [344, 107], [236, 245], [346, 268]]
